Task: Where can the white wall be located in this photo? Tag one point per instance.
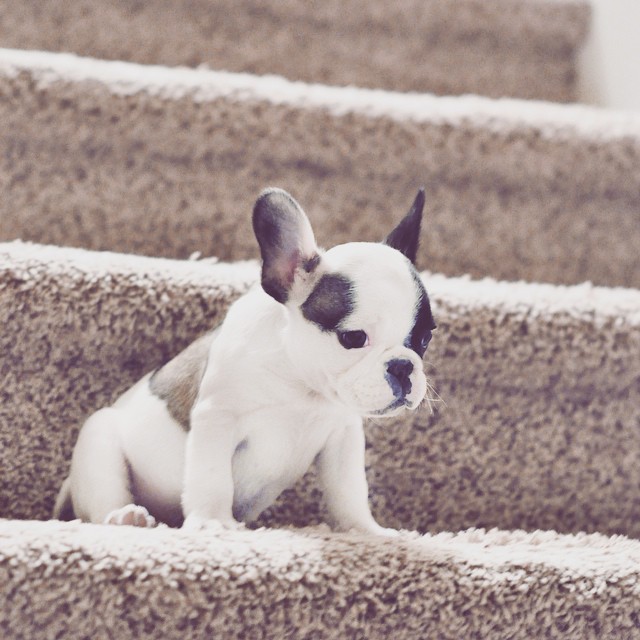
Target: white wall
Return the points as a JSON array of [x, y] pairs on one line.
[[609, 65]]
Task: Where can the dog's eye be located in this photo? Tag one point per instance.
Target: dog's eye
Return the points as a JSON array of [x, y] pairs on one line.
[[426, 339], [419, 345], [353, 339]]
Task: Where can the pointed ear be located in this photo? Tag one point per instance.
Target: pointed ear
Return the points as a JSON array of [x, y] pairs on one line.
[[287, 244], [406, 236]]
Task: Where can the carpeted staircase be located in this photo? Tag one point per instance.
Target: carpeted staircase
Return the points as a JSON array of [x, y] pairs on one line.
[[519, 496], [518, 48]]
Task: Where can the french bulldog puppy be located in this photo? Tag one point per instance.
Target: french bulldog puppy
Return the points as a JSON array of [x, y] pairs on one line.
[[214, 436]]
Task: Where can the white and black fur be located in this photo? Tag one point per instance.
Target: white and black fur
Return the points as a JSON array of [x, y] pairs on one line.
[[214, 436]]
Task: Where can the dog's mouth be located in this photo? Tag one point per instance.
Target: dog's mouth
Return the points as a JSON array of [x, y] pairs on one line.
[[393, 409], [401, 399]]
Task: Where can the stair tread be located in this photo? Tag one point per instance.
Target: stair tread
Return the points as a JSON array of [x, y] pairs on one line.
[[276, 582], [515, 189], [496, 47]]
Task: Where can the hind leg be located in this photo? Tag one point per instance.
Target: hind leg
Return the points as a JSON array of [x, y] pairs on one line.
[[100, 480]]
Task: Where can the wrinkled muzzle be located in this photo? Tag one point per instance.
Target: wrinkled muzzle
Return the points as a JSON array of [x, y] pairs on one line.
[[384, 387]]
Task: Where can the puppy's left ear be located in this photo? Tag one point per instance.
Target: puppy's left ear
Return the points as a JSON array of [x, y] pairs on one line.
[[406, 236], [287, 244]]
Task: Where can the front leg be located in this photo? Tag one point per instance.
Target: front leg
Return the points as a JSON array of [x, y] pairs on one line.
[[342, 475], [207, 497]]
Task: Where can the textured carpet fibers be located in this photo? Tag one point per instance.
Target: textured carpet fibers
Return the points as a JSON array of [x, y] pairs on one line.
[[538, 429], [77, 581], [540, 389], [489, 47], [164, 162], [536, 409]]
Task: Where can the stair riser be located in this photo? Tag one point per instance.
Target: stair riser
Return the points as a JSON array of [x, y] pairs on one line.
[[542, 402]]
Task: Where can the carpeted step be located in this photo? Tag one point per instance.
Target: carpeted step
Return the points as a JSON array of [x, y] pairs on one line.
[[538, 428], [164, 162], [540, 389], [520, 48], [66, 580]]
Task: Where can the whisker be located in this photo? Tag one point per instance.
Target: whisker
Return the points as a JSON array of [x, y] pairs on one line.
[[375, 421], [438, 398], [427, 364], [431, 397]]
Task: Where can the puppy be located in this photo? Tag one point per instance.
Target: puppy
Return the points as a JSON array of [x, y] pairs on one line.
[[213, 437]]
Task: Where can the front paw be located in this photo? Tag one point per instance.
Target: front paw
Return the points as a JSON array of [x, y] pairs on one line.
[[386, 532], [383, 532], [371, 528], [194, 522]]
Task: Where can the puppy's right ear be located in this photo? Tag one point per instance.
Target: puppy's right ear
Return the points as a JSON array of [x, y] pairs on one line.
[[287, 244]]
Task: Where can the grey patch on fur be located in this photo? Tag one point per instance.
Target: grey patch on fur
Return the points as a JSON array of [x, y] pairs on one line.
[[331, 301], [178, 381]]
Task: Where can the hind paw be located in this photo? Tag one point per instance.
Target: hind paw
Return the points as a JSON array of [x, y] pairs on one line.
[[133, 515]]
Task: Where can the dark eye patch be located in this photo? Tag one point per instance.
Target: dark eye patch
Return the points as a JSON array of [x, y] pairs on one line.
[[331, 301]]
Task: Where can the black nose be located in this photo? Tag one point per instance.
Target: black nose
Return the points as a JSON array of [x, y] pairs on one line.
[[398, 373]]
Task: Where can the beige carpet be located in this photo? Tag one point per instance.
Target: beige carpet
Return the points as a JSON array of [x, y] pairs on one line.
[[519, 48], [538, 430], [165, 162], [82, 581], [518, 497]]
